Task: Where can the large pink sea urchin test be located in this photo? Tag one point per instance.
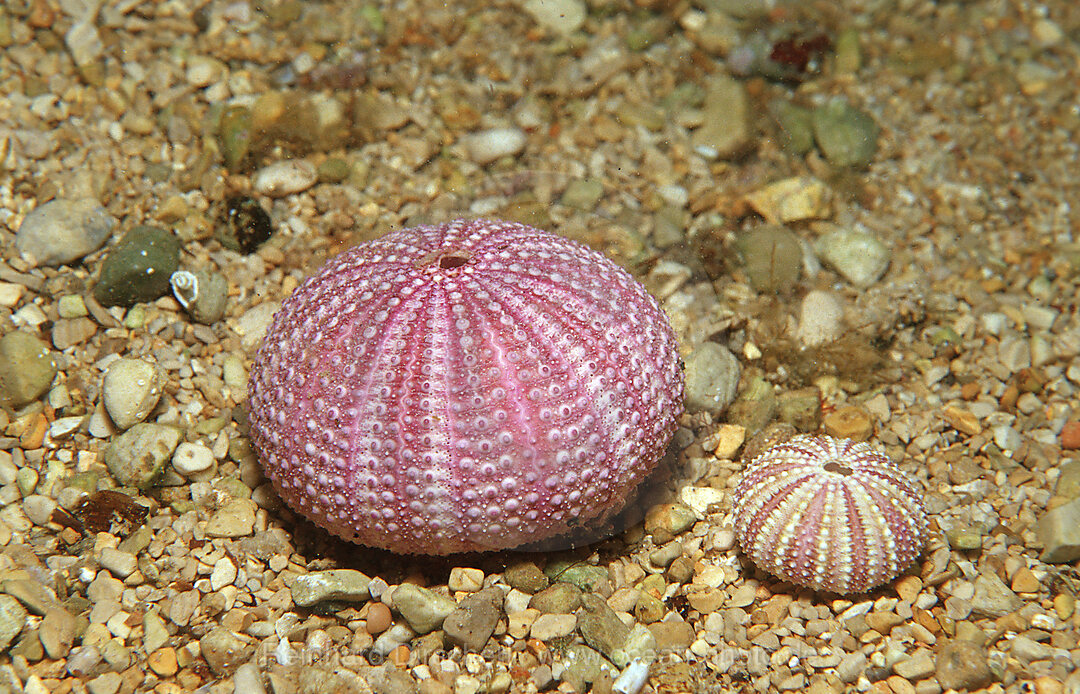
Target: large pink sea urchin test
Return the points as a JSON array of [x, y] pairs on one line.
[[471, 386]]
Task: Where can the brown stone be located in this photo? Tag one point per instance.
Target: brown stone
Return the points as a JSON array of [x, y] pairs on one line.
[[849, 422], [962, 420], [1070, 436], [1024, 581]]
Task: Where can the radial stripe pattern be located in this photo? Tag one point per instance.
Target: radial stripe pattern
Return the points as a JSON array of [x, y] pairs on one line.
[[830, 514], [469, 386]]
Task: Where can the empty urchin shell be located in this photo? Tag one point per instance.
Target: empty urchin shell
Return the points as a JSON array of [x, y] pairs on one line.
[[471, 386], [830, 514]]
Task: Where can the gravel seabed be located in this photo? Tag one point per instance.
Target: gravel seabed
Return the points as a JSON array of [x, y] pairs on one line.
[[942, 274]]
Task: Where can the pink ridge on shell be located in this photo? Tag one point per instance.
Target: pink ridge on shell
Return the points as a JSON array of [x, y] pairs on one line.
[[830, 514], [470, 386]]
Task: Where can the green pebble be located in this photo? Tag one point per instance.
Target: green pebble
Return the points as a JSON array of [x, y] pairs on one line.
[[137, 268], [211, 426], [135, 317], [848, 59], [945, 335], [26, 368], [71, 306], [137, 457], [587, 577], [583, 194], [233, 487], [334, 170], [234, 136], [796, 126], [772, 257], [27, 480], [846, 135]]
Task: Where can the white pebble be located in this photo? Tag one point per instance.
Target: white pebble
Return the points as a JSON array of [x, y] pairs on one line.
[[192, 458], [284, 178], [819, 318], [224, 573], [38, 508], [131, 390], [488, 145], [560, 16]]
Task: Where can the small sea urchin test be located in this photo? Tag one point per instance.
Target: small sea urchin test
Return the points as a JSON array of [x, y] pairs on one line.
[[830, 514], [470, 386]]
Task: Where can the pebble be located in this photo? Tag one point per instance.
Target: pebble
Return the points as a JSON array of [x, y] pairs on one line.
[[962, 419], [712, 378], [993, 598], [487, 146], [138, 267], [820, 318], [223, 574], [525, 576], [918, 666], [27, 368], [465, 579], [63, 231], [559, 598], [725, 129], [772, 257], [203, 294], [1014, 353], [130, 390], [12, 620], [120, 564], [223, 650], [284, 178], [859, 257], [1007, 438], [109, 683], [71, 306], [423, 609], [344, 585], [235, 519], [552, 626], [10, 294], [192, 458], [1025, 581], [702, 499], [254, 322], [1059, 532], [163, 662], [963, 665], [845, 135], [849, 422], [851, 666], [155, 633], [665, 521], [68, 332], [589, 578], [794, 199], [248, 680], [473, 622], [1069, 438], [82, 660], [559, 16], [1026, 650], [38, 508], [379, 618], [137, 457], [600, 626]]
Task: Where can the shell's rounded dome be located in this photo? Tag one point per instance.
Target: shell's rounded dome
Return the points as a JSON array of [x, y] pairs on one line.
[[471, 386]]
